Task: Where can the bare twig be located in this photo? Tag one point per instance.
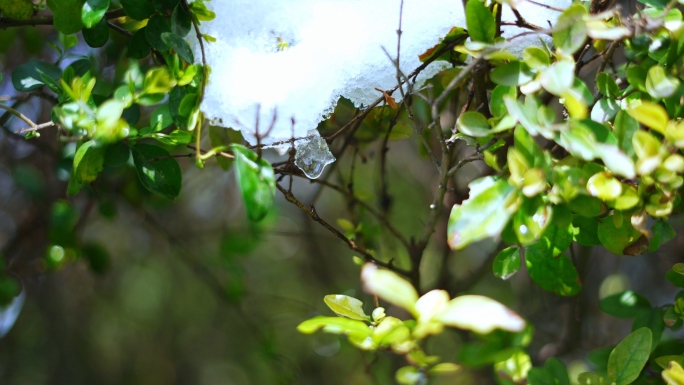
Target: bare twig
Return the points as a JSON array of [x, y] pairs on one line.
[[311, 211]]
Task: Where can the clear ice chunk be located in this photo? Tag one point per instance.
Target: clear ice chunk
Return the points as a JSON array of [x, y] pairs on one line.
[[313, 155]]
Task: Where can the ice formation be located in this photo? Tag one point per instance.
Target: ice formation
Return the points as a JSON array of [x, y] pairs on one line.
[[313, 155], [334, 48]]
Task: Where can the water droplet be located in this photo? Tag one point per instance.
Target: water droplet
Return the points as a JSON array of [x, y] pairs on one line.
[[313, 155], [433, 206], [523, 229]]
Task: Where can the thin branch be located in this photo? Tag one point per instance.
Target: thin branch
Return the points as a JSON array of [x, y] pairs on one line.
[[19, 115], [311, 211], [463, 162], [36, 127]]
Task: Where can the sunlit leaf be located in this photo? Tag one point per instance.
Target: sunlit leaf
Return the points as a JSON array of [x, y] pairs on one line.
[[507, 262], [346, 306], [256, 181], [480, 314], [389, 286], [484, 214]]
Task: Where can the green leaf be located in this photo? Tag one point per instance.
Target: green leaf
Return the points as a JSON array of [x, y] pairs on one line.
[[507, 262], [664, 361], [496, 104], [570, 31], [484, 214], [346, 306], [98, 35], [473, 123], [138, 10], [531, 219], [653, 319], [536, 58], [390, 287], [88, 162], [662, 233], [156, 26], [579, 140], [27, 77], [93, 11], [161, 118], [138, 47], [559, 77], [511, 74], [409, 375], [585, 230], [627, 304], [624, 128], [604, 186], [481, 315], [335, 325], [649, 114], [67, 15], [629, 357], [117, 154], [256, 181], [604, 110], [658, 84], [181, 23], [480, 22], [557, 370], [175, 138], [553, 273], [157, 172], [617, 238], [607, 86], [179, 45]]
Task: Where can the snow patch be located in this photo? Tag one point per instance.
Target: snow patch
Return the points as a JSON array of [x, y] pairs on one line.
[[335, 49]]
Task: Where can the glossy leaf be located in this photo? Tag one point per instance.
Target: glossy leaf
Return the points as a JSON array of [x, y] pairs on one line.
[[650, 114], [157, 171], [480, 22], [507, 262], [606, 85], [346, 306], [480, 314], [662, 233], [67, 15], [181, 23], [27, 77], [97, 35], [473, 123], [389, 286], [558, 78], [629, 357], [335, 325], [93, 11], [616, 238], [511, 74], [627, 304], [604, 186], [88, 162], [156, 26], [570, 31], [659, 84], [256, 181], [484, 214], [179, 45]]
